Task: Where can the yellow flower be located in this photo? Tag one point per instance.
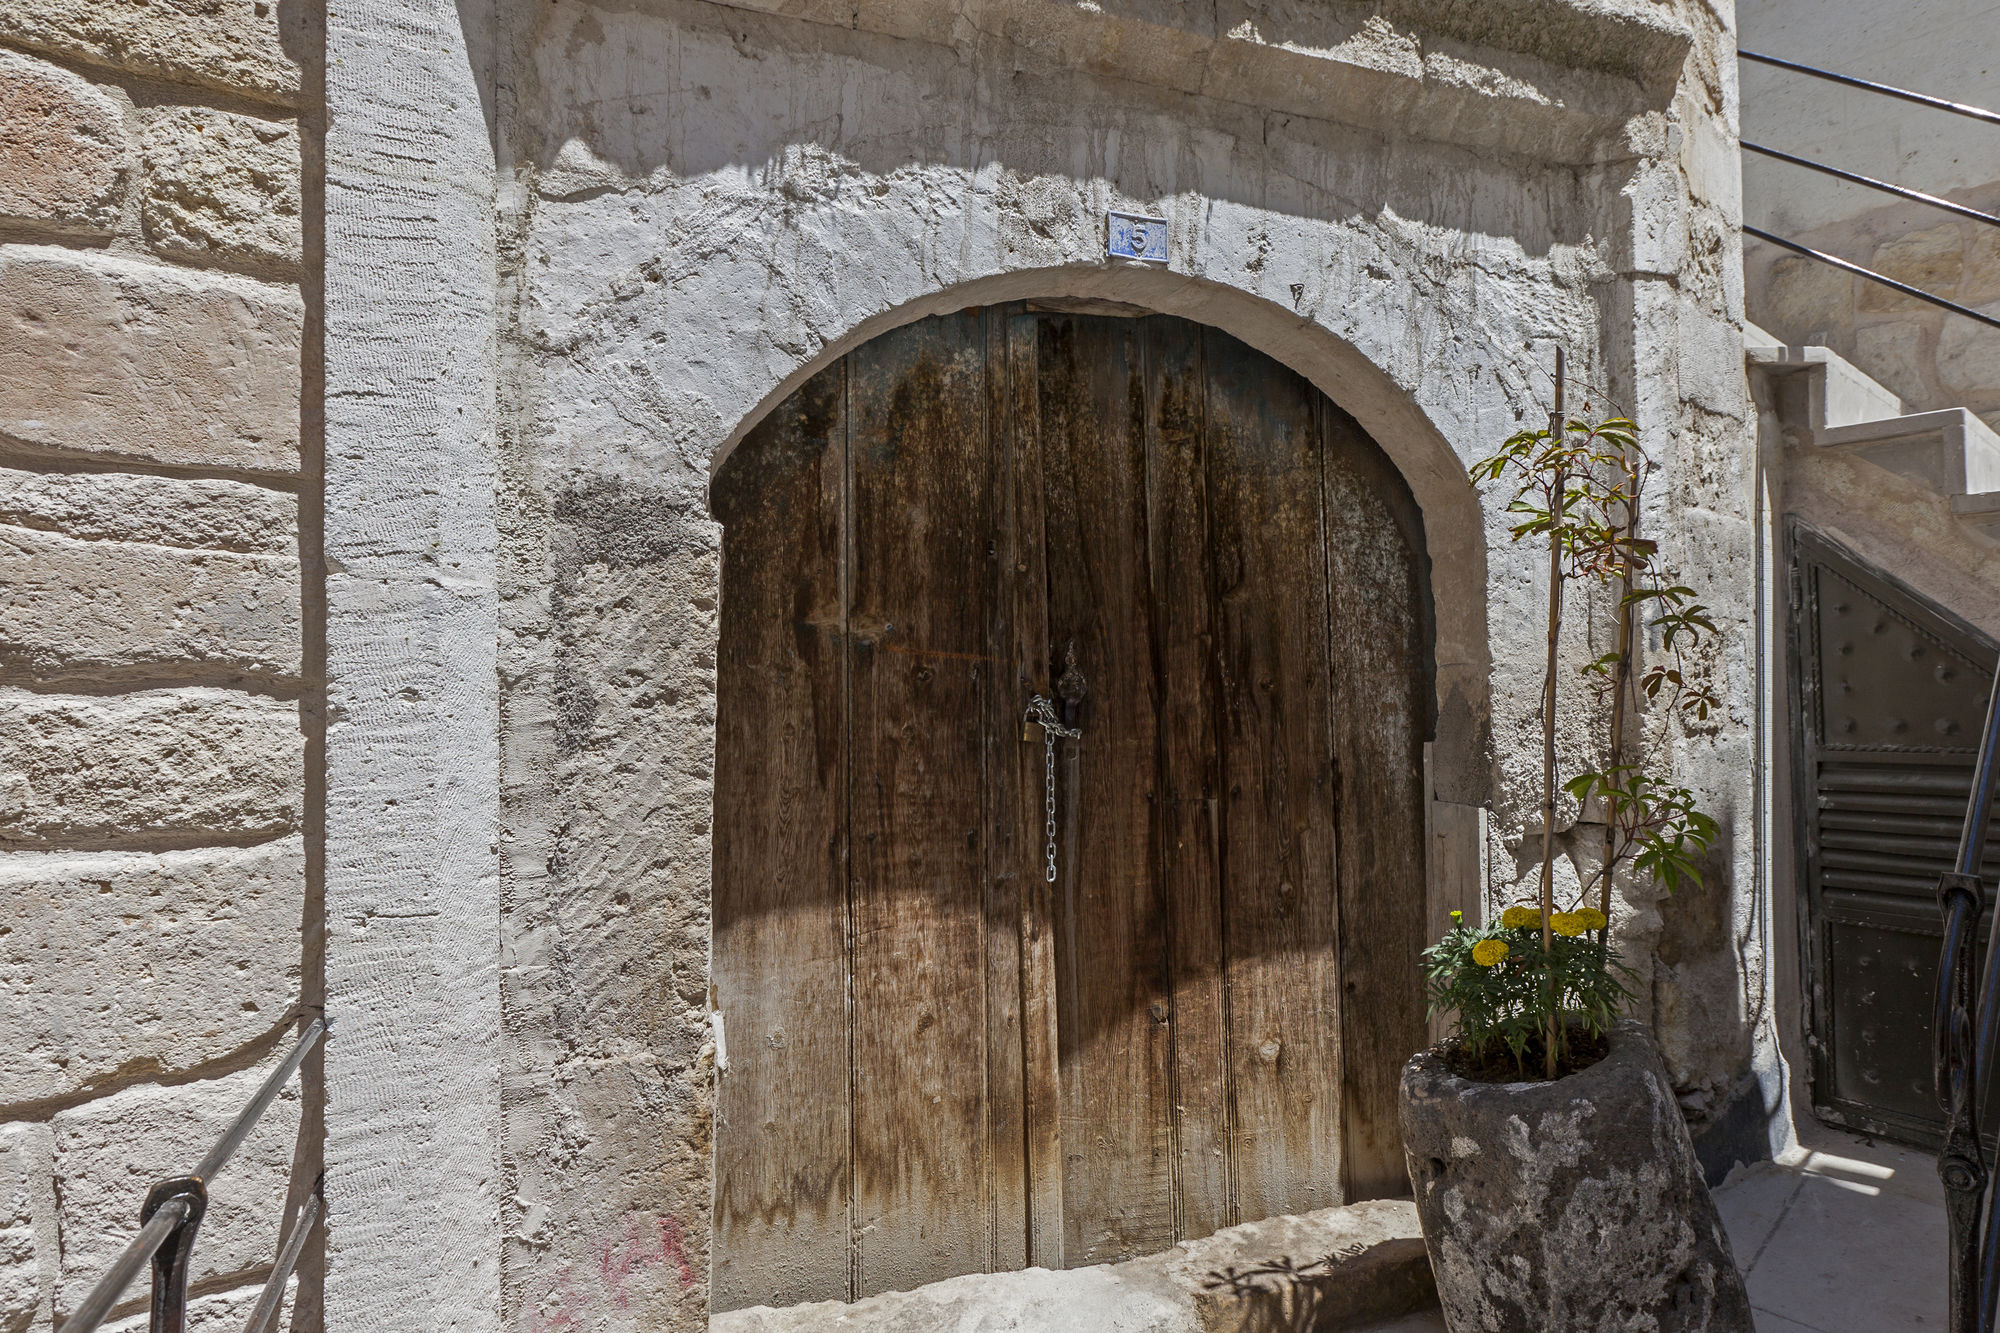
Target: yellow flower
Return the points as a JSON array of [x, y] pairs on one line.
[[1488, 952], [1520, 918], [1567, 924], [1592, 918]]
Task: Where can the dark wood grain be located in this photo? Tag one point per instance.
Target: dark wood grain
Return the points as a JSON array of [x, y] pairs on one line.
[[921, 601], [1280, 895], [1378, 580], [1115, 1003], [781, 965], [1023, 546], [1187, 775]]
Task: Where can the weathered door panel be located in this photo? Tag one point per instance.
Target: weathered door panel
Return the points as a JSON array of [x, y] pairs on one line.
[[1280, 891], [922, 591], [1113, 990], [1378, 605], [1889, 694], [781, 1155]]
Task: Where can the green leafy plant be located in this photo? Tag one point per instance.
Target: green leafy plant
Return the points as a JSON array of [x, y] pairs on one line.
[[1494, 979], [1576, 488]]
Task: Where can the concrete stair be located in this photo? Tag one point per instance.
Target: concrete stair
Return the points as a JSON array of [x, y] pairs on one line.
[[1951, 452]]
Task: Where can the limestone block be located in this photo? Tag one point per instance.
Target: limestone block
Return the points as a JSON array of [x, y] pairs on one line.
[[1803, 300], [218, 1312], [62, 146], [27, 1224], [79, 769], [221, 185], [1892, 354], [123, 963], [233, 44], [110, 1151], [1968, 362], [200, 514], [69, 605], [1931, 259], [110, 355], [1981, 281]]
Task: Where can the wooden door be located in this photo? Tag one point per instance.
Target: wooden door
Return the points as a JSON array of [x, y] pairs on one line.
[[941, 1061]]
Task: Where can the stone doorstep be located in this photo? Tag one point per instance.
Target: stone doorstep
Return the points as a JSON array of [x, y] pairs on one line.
[[1328, 1270]]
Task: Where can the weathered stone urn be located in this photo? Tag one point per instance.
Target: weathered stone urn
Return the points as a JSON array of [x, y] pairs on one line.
[[1568, 1207]]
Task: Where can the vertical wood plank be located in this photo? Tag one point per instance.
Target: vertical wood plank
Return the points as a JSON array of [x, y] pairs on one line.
[[1280, 904], [1455, 844], [1037, 925], [1115, 1005], [922, 591], [1378, 581], [1017, 615], [1187, 773], [780, 963]]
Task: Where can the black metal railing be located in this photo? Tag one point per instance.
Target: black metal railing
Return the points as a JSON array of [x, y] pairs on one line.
[[171, 1216], [1872, 183]]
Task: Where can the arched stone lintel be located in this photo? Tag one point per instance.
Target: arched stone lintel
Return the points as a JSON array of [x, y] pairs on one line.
[[1454, 529]]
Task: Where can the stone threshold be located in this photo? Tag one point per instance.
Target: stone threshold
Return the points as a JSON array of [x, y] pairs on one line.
[[1312, 1273]]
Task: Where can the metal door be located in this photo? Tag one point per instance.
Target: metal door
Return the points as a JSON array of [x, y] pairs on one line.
[[1888, 696]]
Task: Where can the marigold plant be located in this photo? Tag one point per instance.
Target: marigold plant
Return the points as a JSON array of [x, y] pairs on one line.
[[1496, 978]]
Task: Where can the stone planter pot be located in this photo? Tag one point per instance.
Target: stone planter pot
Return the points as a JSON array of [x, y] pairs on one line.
[[1568, 1207]]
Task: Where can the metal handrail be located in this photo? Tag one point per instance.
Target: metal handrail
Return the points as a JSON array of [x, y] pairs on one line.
[[171, 1216], [1870, 274], [1965, 1052], [1869, 85], [1900, 191]]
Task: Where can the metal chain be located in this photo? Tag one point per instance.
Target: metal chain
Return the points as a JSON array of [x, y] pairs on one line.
[[1042, 713]]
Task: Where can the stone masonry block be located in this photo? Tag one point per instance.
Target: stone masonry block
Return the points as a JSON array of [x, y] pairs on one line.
[[62, 146], [127, 963], [239, 45], [1931, 259], [199, 514], [79, 606], [1981, 281], [27, 1224], [220, 185], [113, 356], [110, 1151], [87, 770]]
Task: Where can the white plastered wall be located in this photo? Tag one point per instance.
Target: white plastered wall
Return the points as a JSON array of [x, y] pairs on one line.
[[698, 206]]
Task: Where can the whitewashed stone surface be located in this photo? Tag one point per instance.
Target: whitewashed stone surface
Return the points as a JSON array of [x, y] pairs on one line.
[[239, 45], [109, 1152], [217, 185], [135, 963], [114, 356], [63, 156], [81, 769], [218, 1312]]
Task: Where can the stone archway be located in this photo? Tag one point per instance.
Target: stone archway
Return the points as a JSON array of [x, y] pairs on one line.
[[942, 1061]]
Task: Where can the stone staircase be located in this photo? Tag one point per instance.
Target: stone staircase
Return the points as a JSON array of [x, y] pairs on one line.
[[1950, 452]]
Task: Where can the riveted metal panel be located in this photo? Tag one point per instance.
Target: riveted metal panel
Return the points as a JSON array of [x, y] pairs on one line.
[[1888, 696]]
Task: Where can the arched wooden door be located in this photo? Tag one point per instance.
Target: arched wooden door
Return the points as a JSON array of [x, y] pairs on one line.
[[940, 1061]]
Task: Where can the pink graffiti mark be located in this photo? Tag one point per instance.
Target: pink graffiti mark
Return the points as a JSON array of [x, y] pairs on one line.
[[646, 1244]]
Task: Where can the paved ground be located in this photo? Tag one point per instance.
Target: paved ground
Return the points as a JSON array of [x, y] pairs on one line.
[[1845, 1235]]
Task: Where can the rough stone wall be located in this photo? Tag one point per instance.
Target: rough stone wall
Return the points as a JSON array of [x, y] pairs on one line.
[[705, 203], [158, 502]]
